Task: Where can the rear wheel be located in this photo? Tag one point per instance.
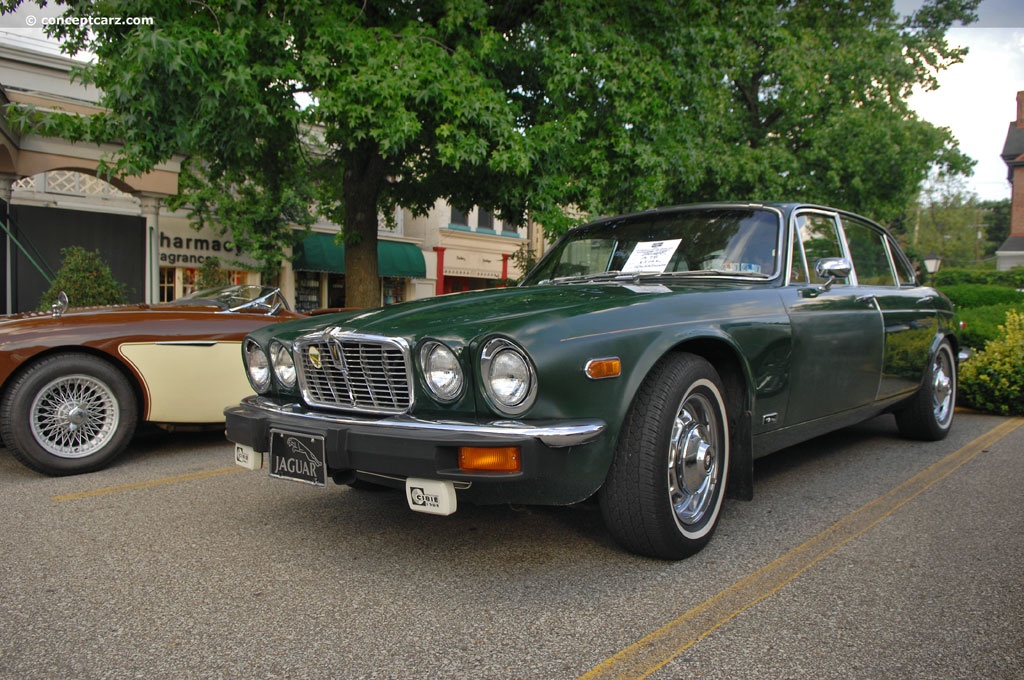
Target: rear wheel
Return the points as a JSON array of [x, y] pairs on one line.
[[929, 415], [663, 495], [68, 414]]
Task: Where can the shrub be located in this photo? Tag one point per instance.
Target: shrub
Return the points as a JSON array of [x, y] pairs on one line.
[[972, 295], [983, 324], [87, 280], [993, 379], [1014, 278]]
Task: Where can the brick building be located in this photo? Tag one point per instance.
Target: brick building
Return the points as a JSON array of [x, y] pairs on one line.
[[1011, 253]]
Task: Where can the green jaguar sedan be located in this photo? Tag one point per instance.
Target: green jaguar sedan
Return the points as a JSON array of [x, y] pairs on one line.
[[648, 359]]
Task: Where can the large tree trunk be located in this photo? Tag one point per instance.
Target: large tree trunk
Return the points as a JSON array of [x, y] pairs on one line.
[[363, 180]]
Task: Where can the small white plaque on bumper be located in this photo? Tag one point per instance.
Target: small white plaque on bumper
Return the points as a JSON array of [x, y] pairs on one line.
[[248, 457], [431, 496]]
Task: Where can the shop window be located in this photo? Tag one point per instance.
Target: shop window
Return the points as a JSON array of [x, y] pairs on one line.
[[166, 284], [335, 290], [459, 217], [393, 290], [307, 291], [188, 281]]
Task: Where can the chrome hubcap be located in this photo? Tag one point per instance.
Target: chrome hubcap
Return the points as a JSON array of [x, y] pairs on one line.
[[74, 416], [693, 469], [942, 387]]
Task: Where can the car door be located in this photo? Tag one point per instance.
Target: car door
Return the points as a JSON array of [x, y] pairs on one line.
[[908, 310], [837, 329]]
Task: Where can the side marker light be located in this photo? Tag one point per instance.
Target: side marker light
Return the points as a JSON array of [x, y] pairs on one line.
[[599, 369]]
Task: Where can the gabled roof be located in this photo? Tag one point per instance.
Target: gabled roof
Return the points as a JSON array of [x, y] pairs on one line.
[[1014, 244], [1013, 149]]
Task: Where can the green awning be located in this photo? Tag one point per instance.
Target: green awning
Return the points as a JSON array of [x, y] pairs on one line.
[[319, 253]]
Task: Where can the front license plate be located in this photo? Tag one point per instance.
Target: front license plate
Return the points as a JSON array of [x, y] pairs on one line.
[[298, 457]]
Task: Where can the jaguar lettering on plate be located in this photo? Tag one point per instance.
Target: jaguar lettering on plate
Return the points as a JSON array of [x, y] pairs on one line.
[[298, 457]]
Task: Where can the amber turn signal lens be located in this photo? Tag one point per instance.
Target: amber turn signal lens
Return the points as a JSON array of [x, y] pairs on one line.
[[492, 459], [598, 369]]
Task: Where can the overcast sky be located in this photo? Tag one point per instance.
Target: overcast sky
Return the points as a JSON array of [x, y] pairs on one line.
[[976, 99]]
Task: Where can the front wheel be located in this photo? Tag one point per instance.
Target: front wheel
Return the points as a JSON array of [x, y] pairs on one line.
[[68, 414], [663, 495], [929, 415]]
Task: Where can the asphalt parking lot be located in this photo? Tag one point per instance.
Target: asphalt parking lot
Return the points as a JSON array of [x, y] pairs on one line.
[[861, 555]]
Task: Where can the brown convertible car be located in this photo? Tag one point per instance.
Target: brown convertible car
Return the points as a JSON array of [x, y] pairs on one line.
[[74, 383]]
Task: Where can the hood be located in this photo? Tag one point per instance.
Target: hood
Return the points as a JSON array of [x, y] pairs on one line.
[[76, 311], [466, 315], [84, 312]]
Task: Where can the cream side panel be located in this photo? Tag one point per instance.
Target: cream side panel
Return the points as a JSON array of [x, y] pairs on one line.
[[189, 383]]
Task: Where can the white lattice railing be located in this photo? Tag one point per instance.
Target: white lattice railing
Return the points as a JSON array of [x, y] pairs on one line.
[[68, 182]]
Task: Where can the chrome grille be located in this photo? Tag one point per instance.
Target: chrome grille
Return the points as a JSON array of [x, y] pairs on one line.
[[345, 371]]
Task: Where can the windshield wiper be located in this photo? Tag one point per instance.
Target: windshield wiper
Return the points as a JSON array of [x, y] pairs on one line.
[[712, 272], [601, 277], [587, 278]]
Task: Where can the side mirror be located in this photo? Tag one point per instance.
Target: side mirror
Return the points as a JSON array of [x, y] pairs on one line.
[[831, 269]]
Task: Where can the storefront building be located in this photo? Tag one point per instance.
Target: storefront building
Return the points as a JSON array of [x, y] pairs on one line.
[[51, 198], [470, 251], [319, 266]]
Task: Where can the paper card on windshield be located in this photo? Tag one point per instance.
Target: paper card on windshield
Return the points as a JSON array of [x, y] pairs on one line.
[[651, 256]]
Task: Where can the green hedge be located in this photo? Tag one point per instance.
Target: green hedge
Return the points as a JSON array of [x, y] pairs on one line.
[[973, 295], [982, 323], [982, 299], [1014, 278]]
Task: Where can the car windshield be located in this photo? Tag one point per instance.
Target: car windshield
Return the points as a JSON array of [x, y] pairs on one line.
[[235, 298], [731, 241]]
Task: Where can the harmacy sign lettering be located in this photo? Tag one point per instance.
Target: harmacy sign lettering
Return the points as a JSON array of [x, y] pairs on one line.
[[194, 248]]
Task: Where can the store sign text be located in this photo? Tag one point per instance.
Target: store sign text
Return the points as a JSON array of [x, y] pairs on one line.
[[193, 249]]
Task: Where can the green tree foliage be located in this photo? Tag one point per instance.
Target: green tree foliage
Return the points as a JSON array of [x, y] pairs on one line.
[[951, 223], [345, 109], [993, 379], [996, 218], [87, 280]]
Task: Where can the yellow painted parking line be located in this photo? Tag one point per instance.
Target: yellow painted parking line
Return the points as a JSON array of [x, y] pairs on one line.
[[148, 484], [657, 649]]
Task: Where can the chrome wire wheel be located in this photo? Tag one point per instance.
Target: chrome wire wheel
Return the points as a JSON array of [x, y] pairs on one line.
[[693, 458], [943, 386], [74, 416]]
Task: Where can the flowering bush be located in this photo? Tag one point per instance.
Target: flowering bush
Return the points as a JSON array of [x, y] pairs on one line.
[[993, 379]]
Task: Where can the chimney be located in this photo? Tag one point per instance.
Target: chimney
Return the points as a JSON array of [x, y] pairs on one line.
[[1015, 160]]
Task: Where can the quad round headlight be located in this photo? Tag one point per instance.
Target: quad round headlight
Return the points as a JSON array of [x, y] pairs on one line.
[[441, 371], [284, 365], [509, 378], [258, 366]]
